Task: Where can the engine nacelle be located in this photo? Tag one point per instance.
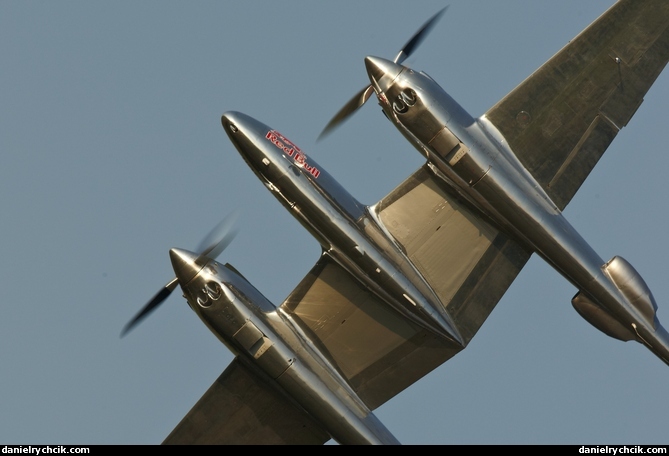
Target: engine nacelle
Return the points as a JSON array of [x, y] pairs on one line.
[[237, 313], [241, 317]]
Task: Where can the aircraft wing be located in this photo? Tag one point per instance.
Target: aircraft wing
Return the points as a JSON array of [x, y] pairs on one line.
[[241, 408], [467, 262], [561, 119]]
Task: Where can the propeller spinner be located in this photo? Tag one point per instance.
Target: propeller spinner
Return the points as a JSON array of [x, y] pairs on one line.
[[362, 96], [210, 247]]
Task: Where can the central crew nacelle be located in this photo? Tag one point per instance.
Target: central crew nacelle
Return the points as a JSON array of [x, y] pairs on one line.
[[346, 230]]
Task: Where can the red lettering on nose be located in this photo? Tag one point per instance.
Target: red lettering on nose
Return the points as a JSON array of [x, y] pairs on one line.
[[291, 150]]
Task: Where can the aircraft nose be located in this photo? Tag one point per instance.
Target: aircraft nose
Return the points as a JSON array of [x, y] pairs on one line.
[[185, 265], [232, 121], [246, 134], [236, 122], [239, 126], [381, 72]]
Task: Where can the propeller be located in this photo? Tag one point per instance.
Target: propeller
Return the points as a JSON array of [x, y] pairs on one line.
[[362, 96], [210, 247]]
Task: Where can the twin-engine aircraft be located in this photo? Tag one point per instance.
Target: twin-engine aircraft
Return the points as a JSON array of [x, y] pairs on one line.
[[403, 285]]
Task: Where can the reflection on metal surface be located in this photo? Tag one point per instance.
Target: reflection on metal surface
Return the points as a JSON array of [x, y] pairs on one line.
[[403, 285]]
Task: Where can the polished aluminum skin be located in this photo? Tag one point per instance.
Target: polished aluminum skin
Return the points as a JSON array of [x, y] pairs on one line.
[[348, 233], [377, 312], [472, 157], [265, 337]]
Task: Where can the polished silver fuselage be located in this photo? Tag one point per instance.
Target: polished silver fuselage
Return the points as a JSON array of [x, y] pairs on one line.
[[472, 157], [348, 232]]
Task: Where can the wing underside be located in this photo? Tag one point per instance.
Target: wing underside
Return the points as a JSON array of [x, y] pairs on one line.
[[469, 264], [561, 119], [559, 122], [241, 408]]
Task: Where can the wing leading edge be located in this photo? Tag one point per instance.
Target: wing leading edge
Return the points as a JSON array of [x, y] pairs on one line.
[[561, 119]]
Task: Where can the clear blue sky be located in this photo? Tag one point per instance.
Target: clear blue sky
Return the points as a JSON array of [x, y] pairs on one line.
[[112, 152]]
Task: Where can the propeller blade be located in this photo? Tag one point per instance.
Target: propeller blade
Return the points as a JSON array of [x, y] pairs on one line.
[[361, 97], [211, 246], [219, 237], [154, 302], [347, 111], [418, 37]]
